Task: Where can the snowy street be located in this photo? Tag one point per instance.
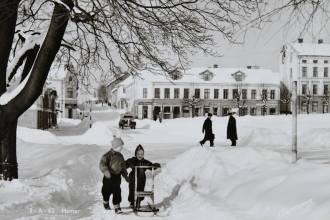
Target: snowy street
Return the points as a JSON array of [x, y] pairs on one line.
[[59, 177]]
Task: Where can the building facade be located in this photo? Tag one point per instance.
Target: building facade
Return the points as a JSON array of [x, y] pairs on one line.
[[308, 64], [150, 95], [65, 83]]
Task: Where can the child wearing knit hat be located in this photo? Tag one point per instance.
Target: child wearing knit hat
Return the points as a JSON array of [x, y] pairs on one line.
[[112, 165], [138, 160]]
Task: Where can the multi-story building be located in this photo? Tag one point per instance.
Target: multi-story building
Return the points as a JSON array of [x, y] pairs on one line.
[[149, 94], [308, 64], [112, 86], [118, 94], [65, 82]]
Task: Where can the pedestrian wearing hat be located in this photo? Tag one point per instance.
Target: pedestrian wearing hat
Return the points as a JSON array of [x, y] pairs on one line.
[[113, 165], [231, 128], [207, 127], [138, 160]]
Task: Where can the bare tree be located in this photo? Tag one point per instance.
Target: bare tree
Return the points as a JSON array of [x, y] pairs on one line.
[[102, 93], [240, 96], [308, 96], [263, 92], [326, 98], [193, 102], [285, 95]]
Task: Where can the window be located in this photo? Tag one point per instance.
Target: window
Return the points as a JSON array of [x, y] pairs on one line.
[[314, 89], [157, 93], [207, 77], [253, 94], [315, 69], [70, 92], [272, 94], [206, 93], [304, 61], [176, 93], [304, 89], [167, 93], [225, 94], [197, 93], [326, 72], [216, 93], [70, 78], [186, 93], [264, 94], [290, 72], [124, 90], [326, 89], [145, 93], [238, 78], [315, 61], [304, 71], [326, 61], [244, 93], [235, 93]]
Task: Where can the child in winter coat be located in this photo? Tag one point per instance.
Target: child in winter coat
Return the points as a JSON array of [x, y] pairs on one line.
[[138, 160], [113, 165]]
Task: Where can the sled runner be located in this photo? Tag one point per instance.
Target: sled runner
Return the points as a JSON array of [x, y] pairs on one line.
[[145, 193]]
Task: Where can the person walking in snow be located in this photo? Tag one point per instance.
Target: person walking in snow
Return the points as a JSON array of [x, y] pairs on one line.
[[138, 160], [231, 128], [207, 127], [112, 165]]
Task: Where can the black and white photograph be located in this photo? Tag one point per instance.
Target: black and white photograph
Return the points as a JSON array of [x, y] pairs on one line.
[[164, 109]]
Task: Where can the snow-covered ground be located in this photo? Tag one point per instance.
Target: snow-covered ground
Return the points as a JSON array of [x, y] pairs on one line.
[[59, 176]]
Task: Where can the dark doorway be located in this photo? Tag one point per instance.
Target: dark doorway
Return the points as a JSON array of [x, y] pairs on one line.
[[69, 113], [176, 112], [145, 112]]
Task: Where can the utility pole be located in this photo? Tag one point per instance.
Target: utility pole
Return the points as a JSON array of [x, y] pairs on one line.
[[90, 114], [294, 121]]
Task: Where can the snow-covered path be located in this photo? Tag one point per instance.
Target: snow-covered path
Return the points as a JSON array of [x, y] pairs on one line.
[[59, 171]]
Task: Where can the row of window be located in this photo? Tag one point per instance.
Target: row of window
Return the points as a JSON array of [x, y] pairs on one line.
[[315, 88], [315, 71], [235, 93], [315, 61]]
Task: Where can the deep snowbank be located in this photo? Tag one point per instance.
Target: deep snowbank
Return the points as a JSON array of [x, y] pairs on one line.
[[243, 183]]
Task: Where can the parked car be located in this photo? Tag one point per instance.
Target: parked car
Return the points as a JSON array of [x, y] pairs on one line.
[[127, 120]]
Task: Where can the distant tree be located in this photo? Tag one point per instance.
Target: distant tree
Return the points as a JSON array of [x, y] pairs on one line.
[[326, 98], [263, 91], [308, 97], [240, 96], [193, 102], [102, 93], [285, 95]]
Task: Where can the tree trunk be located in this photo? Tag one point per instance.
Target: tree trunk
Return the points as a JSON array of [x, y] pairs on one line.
[[8, 126], [10, 112], [286, 109]]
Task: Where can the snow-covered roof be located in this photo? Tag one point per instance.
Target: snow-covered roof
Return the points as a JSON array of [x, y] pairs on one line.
[[312, 49], [126, 81], [220, 75]]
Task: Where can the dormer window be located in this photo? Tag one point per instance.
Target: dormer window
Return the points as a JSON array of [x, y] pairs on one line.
[[176, 75], [239, 76], [206, 75]]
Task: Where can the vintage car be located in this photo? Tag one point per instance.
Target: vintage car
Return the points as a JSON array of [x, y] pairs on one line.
[[127, 120]]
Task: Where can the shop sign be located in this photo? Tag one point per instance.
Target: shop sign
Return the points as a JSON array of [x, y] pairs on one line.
[[144, 103]]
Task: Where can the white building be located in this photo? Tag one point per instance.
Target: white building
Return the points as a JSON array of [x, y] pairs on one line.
[[150, 95], [66, 85], [118, 94], [308, 64]]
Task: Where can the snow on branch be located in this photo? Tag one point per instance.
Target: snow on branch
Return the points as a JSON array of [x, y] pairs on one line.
[[14, 89]]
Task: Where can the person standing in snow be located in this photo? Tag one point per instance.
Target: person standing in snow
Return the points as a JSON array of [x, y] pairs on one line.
[[231, 128], [138, 160], [207, 127], [112, 165]]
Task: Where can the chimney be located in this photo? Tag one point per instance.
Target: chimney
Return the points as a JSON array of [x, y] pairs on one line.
[[249, 67], [255, 67], [300, 40], [320, 41], [215, 65]]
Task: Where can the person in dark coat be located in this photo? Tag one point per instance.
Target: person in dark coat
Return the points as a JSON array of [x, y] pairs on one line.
[[138, 160], [207, 127], [231, 129]]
